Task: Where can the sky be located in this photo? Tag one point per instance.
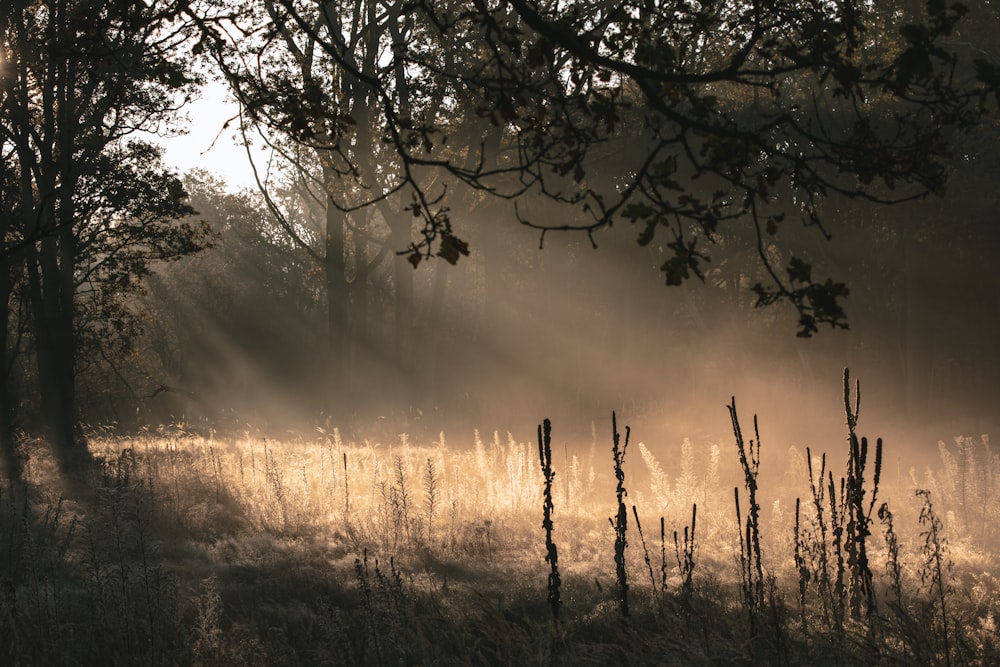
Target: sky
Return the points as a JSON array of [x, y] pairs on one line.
[[209, 144]]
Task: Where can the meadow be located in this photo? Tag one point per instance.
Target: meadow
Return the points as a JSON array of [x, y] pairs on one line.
[[206, 549]]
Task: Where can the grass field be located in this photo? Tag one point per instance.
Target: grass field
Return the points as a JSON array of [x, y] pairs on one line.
[[190, 549]]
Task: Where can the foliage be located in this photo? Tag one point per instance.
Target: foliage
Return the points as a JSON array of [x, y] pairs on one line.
[[244, 307], [82, 209], [134, 215], [711, 113]]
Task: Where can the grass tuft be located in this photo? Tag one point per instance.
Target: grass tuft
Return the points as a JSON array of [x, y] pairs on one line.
[[241, 550]]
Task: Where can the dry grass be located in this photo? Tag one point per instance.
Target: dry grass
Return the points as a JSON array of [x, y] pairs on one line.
[[244, 550]]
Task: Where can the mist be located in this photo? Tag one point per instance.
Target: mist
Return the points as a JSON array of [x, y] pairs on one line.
[[520, 331], [518, 291]]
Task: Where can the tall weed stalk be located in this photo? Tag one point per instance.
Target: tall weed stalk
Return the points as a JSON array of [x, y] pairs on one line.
[[935, 567], [685, 556], [751, 566], [551, 552], [620, 522], [432, 497], [857, 512], [645, 551]]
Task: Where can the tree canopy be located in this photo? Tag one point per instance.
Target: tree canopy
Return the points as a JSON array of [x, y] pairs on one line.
[[709, 128], [680, 117], [83, 210]]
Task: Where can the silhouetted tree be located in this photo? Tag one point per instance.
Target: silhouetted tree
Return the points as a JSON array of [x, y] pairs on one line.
[[76, 78], [728, 106], [9, 206], [286, 81], [235, 332], [130, 214]]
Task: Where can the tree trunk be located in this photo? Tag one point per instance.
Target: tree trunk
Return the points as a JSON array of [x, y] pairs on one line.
[[914, 374], [50, 281], [8, 446], [431, 337], [402, 277], [358, 319], [338, 330]]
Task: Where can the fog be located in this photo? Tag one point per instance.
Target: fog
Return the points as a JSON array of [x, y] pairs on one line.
[[237, 335]]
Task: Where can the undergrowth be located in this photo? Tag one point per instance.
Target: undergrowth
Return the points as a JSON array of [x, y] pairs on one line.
[[242, 550]]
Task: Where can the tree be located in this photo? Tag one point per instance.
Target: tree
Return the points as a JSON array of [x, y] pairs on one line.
[[726, 105], [132, 215], [301, 101], [8, 282], [76, 78], [235, 332]]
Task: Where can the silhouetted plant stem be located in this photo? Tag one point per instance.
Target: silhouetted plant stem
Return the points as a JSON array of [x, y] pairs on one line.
[[363, 575], [663, 558], [744, 573], [431, 497], [752, 569], [892, 558], [551, 553], [685, 556], [402, 496], [839, 593], [858, 528], [620, 522], [933, 571], [645, 552], [818, 492], [858, 517], [852, 415], [347, 494], [800, 565]]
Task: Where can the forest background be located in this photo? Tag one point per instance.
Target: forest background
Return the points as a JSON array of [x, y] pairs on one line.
[[137, 296], [253, 426]]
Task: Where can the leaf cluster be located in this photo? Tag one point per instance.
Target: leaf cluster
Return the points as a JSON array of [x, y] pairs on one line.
[[677, 117]]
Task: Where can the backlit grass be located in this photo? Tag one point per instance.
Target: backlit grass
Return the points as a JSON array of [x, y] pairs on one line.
[[195, 549]]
